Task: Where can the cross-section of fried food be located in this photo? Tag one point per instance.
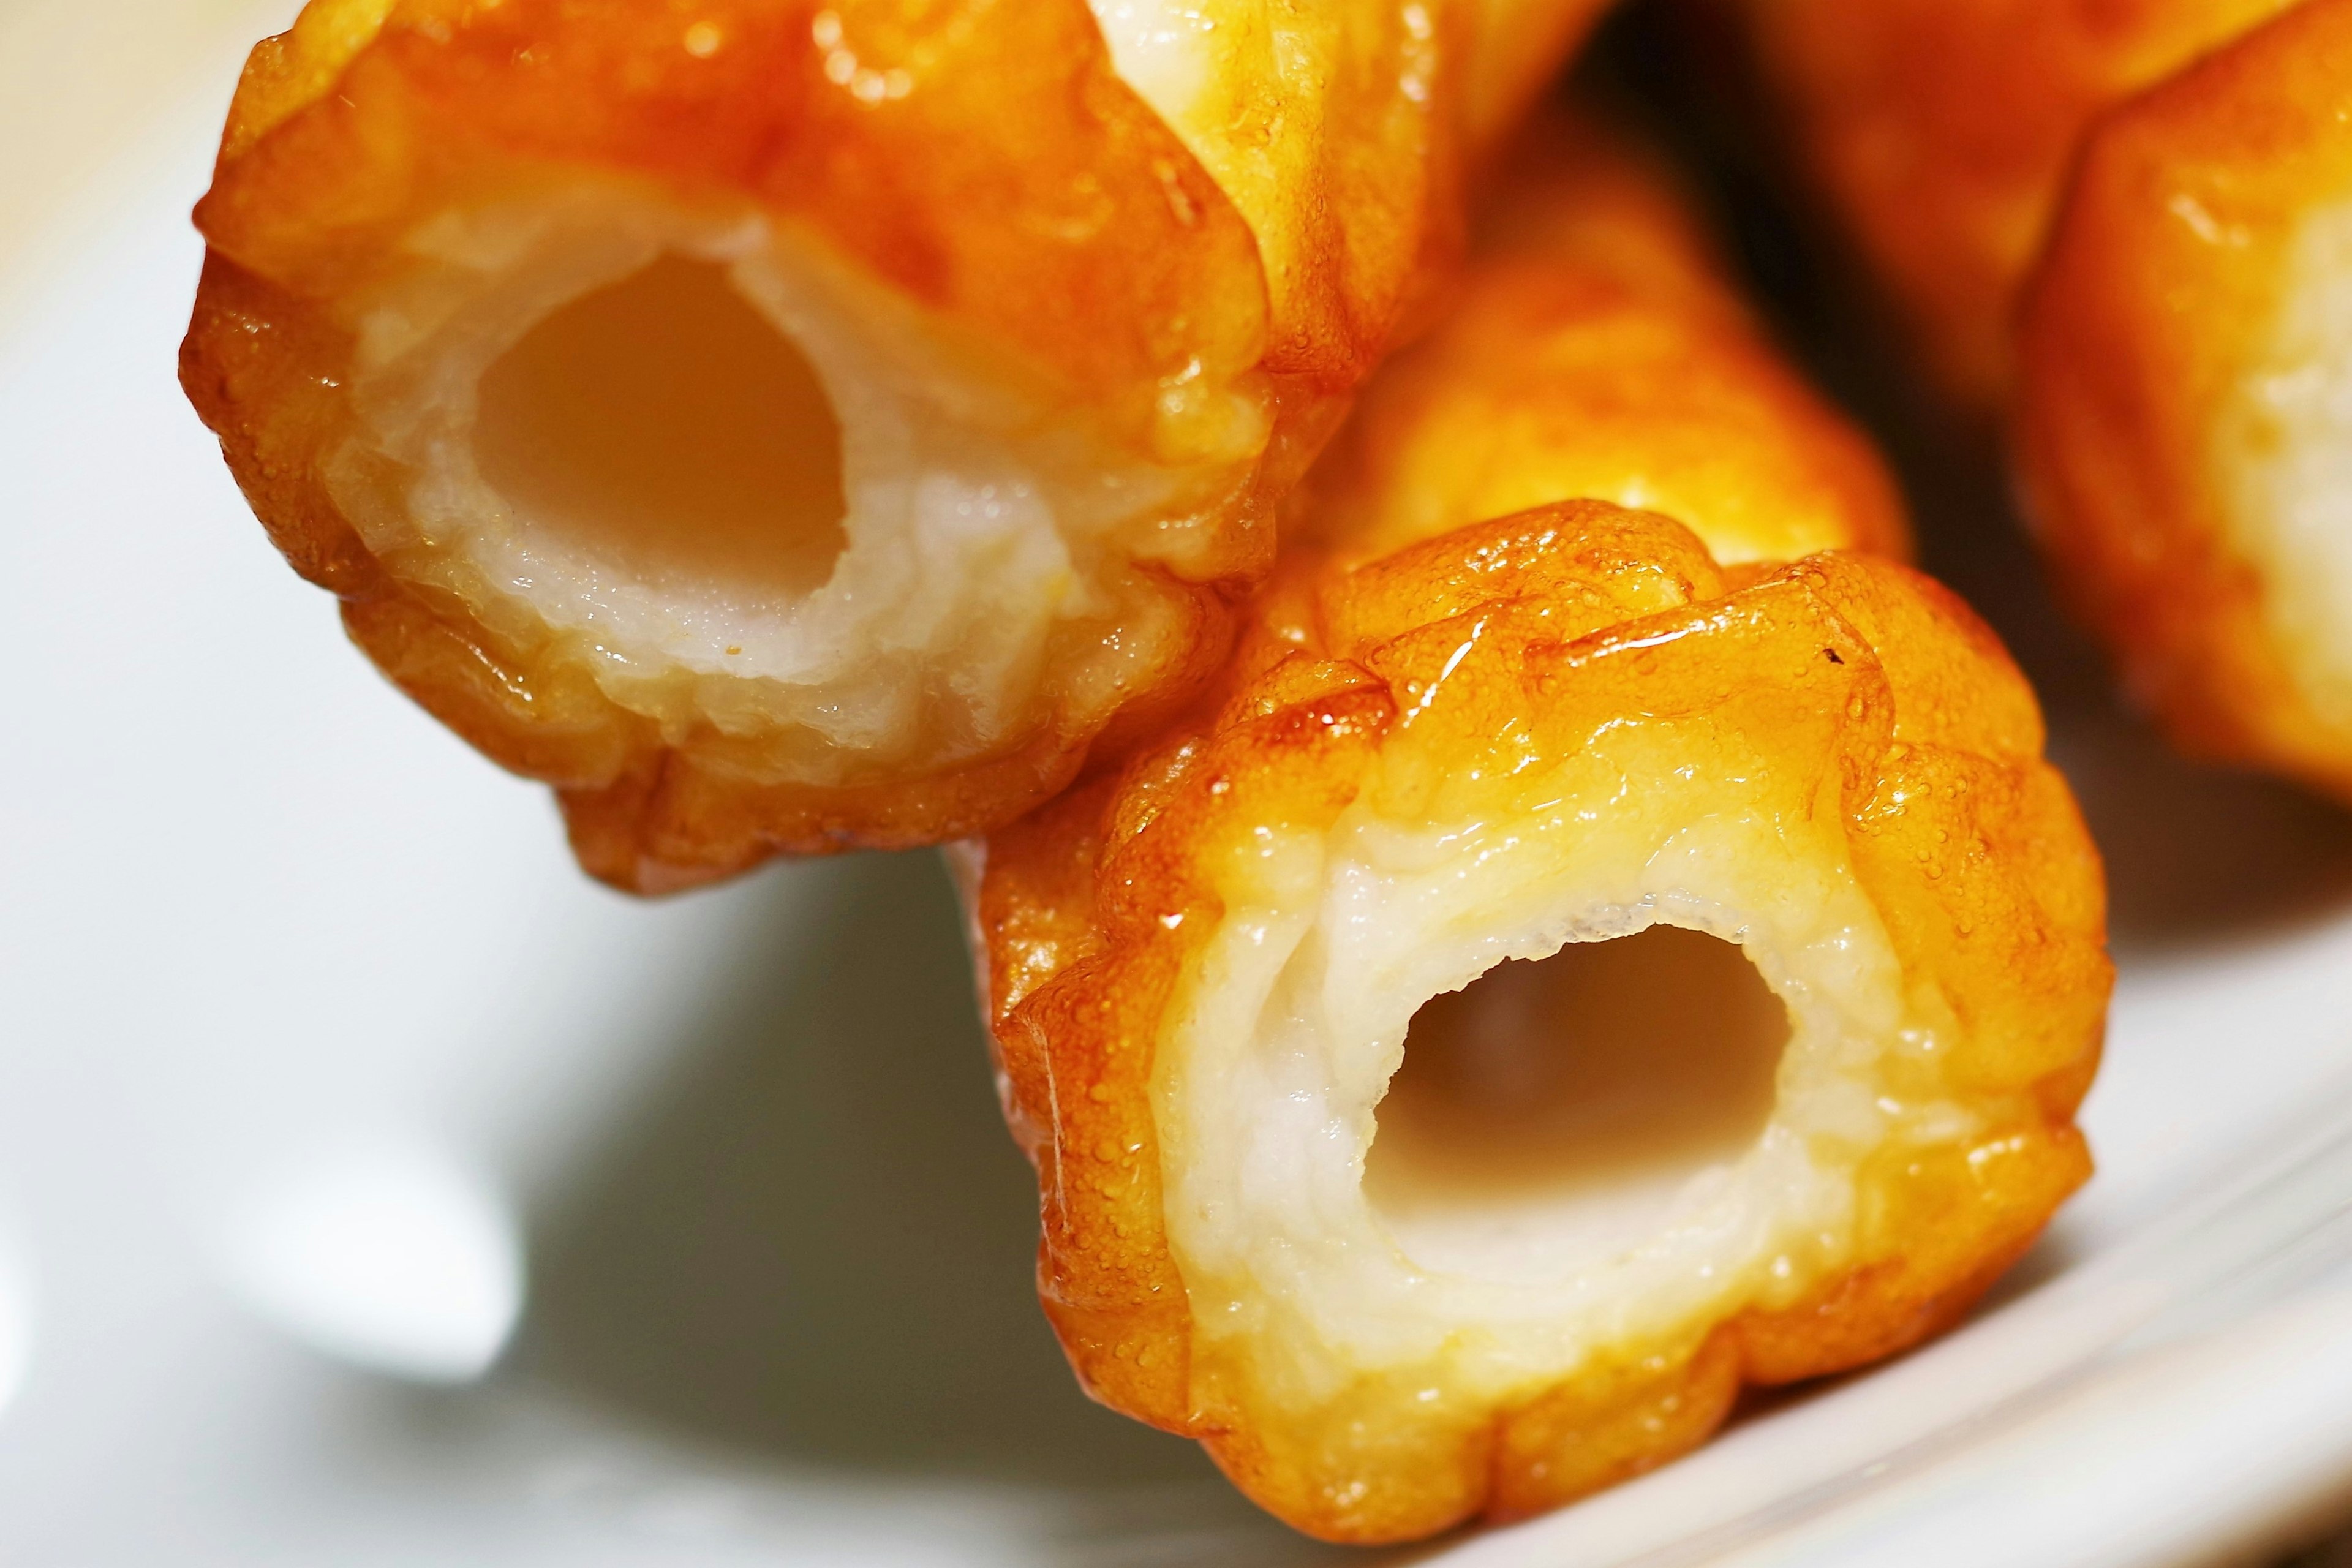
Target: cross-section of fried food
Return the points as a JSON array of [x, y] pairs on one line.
[[1598, 350], [1942, 130], [2184, 419], [783, 425], [1552, 991]]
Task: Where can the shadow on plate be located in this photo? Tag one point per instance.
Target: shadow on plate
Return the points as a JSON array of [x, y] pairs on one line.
[[813, 1244], [2200, 856]]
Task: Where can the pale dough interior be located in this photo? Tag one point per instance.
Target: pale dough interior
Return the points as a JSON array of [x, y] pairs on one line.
[[752, 490], [1720, 1172]]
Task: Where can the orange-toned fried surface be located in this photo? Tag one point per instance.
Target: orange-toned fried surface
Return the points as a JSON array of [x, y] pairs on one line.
[[1943, 132], [1470, 684], [1186, 250], [2146, 342], [1518, 46], [1598, 350]]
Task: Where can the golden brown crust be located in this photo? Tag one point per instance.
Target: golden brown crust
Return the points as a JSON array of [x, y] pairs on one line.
[[1942, 130], [1408, 664], [1613, 1425], [1598, 349], [2163, 278], [1852, 670], [1081, 237]]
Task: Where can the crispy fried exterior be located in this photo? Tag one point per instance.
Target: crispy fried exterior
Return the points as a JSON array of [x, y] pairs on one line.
[[1462, 681], [1198, 286], [2143, 344], [1942, 131], [1598, 350]]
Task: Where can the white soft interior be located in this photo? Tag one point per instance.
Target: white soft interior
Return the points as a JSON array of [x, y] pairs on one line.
[[751, 486], [2284, 451], [1167, 50], [1486, 1268]]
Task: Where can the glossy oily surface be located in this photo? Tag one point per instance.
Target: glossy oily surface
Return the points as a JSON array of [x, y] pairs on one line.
[[1558, 727]]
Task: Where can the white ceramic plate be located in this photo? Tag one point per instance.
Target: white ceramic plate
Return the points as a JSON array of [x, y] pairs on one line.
[[326, 1083]]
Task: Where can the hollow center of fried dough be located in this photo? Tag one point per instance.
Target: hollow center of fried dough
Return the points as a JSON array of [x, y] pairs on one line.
[[1551, 1110], [662, 425]]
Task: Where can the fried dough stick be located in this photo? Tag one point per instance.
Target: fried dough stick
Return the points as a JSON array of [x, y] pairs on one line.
[[1563, 980], [1552, 992], [784, 426], [2184, 420]]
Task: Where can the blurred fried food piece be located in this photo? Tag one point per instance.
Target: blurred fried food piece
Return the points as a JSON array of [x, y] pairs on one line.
[[2184, 419], [1943, 130], [1409, 1128], [2131, 223], [785, 426], [1597, 351]]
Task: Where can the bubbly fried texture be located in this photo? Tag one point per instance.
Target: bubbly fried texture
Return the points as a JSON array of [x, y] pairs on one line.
[[784, 426], [1943, 130], [1562, 727], [1598, 350], [2182, 424]]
